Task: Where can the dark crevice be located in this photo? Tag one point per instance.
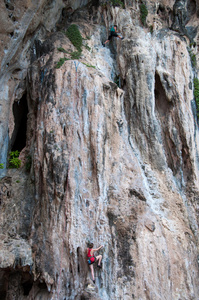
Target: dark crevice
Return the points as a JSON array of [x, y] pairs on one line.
[[163, 110], [163, 106], [42, 286], [9, 5], [3, 296], [78, 259], [20, 111], [175, 146], [27, 286], [139, 195]]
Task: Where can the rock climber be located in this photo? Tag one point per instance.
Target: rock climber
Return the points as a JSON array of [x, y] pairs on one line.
[[113, 32], [92, 259]]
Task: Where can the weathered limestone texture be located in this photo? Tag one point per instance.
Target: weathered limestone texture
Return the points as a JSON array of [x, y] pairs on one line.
[[109, 148]]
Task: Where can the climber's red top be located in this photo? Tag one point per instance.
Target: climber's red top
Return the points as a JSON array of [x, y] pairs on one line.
[[89, 253], [92, 258]]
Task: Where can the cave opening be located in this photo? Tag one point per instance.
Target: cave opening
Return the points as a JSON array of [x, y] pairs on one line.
[[15, 282], [27, 286], [42, 285], [20, 112], [3, 295], [162, 104]]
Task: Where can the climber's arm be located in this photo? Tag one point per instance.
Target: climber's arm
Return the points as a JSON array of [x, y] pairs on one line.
[[97, 248]]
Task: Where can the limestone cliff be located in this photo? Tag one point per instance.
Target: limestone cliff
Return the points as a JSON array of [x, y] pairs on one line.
[[109, 148]]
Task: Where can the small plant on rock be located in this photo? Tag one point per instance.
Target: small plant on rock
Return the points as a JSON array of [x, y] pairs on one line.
[[1, 166], [151, 29], [28, 163], [192, 44], [104, 5], [196, 94], [89, 66], [193, 58], [61, 62], [87, 47], [14, 161], [117, 3], [60, 49], [143, 13], [75, 55], [117, 80]]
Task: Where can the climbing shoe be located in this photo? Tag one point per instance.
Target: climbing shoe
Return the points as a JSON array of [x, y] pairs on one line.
[[94, 281], [99, 266], [103, 44]]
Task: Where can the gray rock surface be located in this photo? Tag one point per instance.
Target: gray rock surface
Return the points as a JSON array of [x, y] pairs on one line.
[[109, 149]]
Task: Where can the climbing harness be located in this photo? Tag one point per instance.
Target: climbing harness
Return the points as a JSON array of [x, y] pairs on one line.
[[91, 260]]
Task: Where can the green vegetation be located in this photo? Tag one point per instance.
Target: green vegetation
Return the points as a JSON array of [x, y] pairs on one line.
[[117, 80], [28, 163], [87, 47], [61, 62], [1, 166], [196, 94], [62, 50], [193, 58], [74, 36], [89, 66], [117, 3], [75, 55], [76, 39], [113, 3], [143, 13], [192, 44], [104, 5], [14, 161], [87, 38], [151, 29]]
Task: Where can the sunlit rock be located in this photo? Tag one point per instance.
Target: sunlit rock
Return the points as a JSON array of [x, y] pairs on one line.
[[108, 146]]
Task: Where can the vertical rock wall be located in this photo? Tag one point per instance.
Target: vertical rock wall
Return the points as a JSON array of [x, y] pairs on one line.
[[116, 166]]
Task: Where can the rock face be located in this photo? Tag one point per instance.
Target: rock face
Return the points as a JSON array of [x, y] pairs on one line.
[[115, 164]]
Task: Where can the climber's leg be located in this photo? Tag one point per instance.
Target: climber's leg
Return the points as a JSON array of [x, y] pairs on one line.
[[120, 36], [92, 273], [109, 38], [99, 259]]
